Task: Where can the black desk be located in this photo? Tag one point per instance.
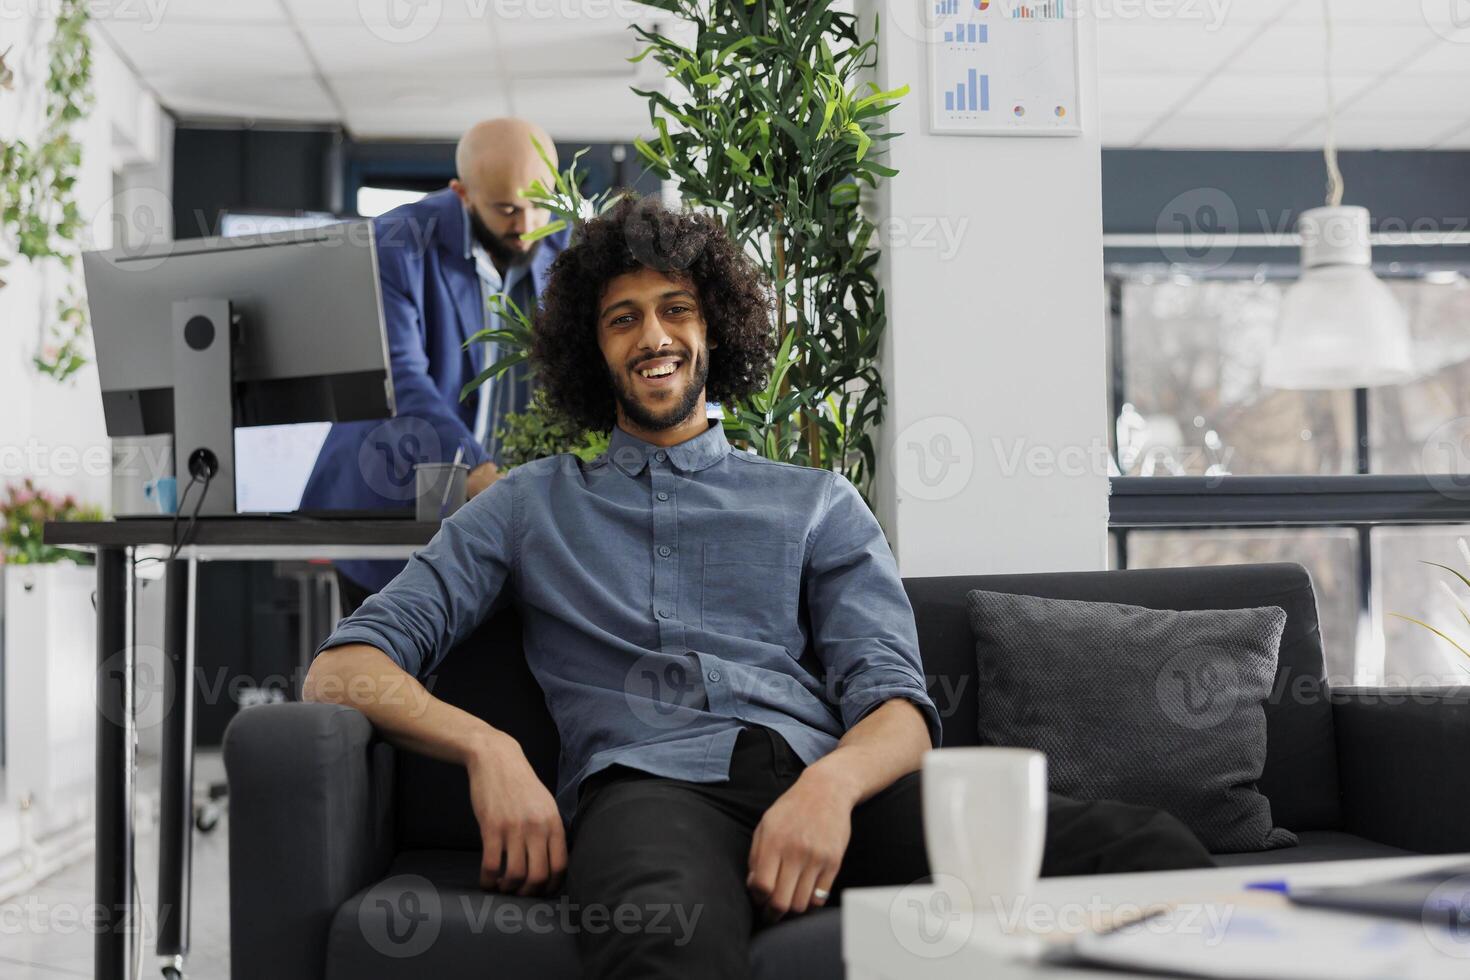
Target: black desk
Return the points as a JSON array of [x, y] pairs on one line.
[[116, 544]]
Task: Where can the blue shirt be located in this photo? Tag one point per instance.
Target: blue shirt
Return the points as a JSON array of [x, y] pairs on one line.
[[667, 596]]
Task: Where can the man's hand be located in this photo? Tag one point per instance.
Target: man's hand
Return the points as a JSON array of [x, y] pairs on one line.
[[519, 822], [480, 477], [798, 846]]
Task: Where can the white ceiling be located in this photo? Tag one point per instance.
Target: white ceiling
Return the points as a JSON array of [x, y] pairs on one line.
[[1173, 73]]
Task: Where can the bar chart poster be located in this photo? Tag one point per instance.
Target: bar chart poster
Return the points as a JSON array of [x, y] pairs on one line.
[[1003, 67]]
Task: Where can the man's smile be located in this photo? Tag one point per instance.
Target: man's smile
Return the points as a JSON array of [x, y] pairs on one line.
[[659, 372]]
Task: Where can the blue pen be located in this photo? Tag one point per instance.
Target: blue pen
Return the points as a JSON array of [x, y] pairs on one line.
[[1269, 886]]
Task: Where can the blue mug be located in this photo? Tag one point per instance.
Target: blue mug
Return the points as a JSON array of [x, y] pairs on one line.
[[164, 492]]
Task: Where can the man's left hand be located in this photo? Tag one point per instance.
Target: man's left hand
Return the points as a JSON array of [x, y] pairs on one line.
[[798, 848]]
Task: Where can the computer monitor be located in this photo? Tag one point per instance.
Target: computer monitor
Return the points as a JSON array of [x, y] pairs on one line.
[[197, 337]]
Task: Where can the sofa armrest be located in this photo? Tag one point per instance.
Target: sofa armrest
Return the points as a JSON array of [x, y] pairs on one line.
[[311, 824], [1401, 765]]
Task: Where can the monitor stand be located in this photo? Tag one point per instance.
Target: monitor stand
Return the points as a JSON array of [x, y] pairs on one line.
[[204, 338]]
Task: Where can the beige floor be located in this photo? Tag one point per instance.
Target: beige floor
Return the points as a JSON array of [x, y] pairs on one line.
[[47, 938]]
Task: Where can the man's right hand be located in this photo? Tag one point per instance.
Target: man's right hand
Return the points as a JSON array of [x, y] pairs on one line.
[[525, 848], [480, 477]]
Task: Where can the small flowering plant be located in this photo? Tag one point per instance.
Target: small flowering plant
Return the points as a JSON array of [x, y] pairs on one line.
[[24, 510]]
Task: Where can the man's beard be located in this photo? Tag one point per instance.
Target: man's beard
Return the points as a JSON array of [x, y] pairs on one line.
[[649, 421], [500, 253]]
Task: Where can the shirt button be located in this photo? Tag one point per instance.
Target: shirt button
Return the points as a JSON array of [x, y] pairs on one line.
[[713, 675], [662, 495], [664, 551], [660, 455], [663, 614]]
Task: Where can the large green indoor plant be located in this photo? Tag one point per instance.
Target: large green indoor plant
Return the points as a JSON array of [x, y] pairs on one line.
[[767, 122]]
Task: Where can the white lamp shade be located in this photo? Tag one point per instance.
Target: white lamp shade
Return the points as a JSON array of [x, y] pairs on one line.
[[1340, 327]]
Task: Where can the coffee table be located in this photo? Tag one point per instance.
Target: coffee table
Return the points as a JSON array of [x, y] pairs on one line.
[[912, 933]]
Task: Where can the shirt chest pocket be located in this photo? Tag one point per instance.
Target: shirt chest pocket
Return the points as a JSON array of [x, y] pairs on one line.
[[752, 588]]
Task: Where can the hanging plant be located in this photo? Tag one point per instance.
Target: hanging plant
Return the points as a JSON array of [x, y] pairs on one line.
[[769, 125], [39, 217]]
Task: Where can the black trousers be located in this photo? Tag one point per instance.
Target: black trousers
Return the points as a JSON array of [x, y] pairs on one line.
[[670, 857]]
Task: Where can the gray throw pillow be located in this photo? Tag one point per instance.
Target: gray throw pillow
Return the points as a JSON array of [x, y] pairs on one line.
[[1146, 706]]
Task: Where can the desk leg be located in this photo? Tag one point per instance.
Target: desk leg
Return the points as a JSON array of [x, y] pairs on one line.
[[114, 876], [176, 767]]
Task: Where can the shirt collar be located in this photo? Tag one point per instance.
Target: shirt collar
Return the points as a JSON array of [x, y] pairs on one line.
[[485, 266], [630, 453]]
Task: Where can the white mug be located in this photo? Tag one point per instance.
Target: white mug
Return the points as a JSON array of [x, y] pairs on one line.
[[985, 826]]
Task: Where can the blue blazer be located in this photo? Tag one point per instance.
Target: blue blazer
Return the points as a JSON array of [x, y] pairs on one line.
[[431, 305]]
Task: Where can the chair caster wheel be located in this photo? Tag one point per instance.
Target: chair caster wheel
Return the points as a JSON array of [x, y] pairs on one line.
[[172, 973], [206, 818]]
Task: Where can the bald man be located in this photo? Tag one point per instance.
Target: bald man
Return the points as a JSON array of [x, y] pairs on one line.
[[440, 260]]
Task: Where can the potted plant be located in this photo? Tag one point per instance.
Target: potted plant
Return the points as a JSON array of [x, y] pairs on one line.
[[49, 652]]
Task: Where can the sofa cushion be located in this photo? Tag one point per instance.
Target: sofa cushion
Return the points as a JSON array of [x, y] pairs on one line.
[[1316, 845], [1152, 707], [429, 918], [1300, 778]]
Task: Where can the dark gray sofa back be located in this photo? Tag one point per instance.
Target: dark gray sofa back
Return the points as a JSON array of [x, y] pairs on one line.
[[488, 677]]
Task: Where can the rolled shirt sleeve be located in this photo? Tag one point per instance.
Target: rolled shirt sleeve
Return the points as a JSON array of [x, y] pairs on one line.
[[862, 624], [447, 588]]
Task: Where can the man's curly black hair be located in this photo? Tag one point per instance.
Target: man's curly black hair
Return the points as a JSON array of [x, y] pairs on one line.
[[733, 296]]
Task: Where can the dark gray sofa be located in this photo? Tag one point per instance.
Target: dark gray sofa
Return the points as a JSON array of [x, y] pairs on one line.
[[330, 826]]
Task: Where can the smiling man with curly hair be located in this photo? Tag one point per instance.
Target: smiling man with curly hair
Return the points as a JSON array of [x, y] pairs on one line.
[[723, 640]]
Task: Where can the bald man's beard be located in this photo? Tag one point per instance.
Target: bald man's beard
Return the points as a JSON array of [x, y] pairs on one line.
[[501, 252]]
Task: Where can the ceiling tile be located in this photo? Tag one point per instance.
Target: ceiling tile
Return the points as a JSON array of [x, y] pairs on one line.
[[1372, 12], [1188, 49], [1221, 132], [1277, 96], [1447, 55], [1357, 48], [1121, 129], [203, 48], [1141, 94], [448, 50], [1382, 133], [597, 55], [248, 96], [1410, 95]]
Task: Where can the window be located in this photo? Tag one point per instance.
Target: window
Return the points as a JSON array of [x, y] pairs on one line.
[[1363, 487]]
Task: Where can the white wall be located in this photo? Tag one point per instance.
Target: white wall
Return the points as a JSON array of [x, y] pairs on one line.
[[54, 432], [992, 455]]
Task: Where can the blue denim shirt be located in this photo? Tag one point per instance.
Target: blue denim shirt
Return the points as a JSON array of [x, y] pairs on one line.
[[668, 596]]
